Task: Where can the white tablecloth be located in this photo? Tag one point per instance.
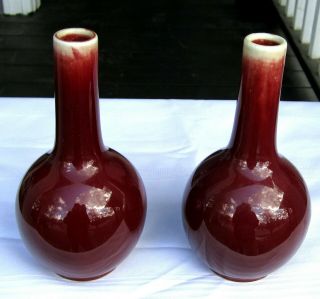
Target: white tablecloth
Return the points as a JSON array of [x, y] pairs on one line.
[[165, 140]]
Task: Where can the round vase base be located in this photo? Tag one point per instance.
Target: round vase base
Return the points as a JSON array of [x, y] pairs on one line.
[[87, 278], [238, 279]]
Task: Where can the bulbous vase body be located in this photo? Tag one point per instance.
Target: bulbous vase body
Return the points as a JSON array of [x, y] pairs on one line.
[[80, 208], [246, 208]]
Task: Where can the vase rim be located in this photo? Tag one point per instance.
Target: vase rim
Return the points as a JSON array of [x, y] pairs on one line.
[[81, 39], [264, 46]]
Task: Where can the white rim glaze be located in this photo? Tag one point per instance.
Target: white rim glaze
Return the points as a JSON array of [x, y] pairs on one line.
[[264, 52], [65, 47]]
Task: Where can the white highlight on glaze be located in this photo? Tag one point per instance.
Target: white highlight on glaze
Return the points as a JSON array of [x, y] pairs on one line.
[[67, 47], [264, 202], [264, 52], [85, 172], [259, 172], [96, 202]]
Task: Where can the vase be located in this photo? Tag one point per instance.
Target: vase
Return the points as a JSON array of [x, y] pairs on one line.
[[246, 208], [80, 208]]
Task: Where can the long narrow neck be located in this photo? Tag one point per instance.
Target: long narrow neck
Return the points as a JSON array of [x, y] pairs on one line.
[[254, 132], [78, 130]]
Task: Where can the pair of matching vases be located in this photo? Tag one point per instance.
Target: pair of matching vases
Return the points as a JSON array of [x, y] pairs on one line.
[[81, 208]]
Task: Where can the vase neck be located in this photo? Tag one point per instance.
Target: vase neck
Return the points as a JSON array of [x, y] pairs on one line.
[[78, 130], [254, 131]]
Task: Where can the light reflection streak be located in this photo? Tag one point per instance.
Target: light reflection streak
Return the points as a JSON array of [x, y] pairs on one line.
[[259, 172], [86, 171], [94, 199], [264, 201]]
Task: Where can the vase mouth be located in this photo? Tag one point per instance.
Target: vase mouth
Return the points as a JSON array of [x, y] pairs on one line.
[[75, 35], [81, 39], [265, 46]]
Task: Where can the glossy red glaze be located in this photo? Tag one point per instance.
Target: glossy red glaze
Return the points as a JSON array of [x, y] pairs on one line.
[[80, 208], [246, 209]]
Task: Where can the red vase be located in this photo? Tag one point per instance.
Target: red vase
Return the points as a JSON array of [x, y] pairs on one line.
[[246, 208], [80, 208]]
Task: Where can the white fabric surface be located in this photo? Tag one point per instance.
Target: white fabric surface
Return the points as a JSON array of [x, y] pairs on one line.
[[165, 140]]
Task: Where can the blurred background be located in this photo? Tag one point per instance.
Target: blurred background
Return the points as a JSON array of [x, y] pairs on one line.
[[188, 49]]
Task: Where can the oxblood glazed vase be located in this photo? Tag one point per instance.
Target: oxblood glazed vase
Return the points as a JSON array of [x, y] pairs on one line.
[[246, 208], [80, 208]]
